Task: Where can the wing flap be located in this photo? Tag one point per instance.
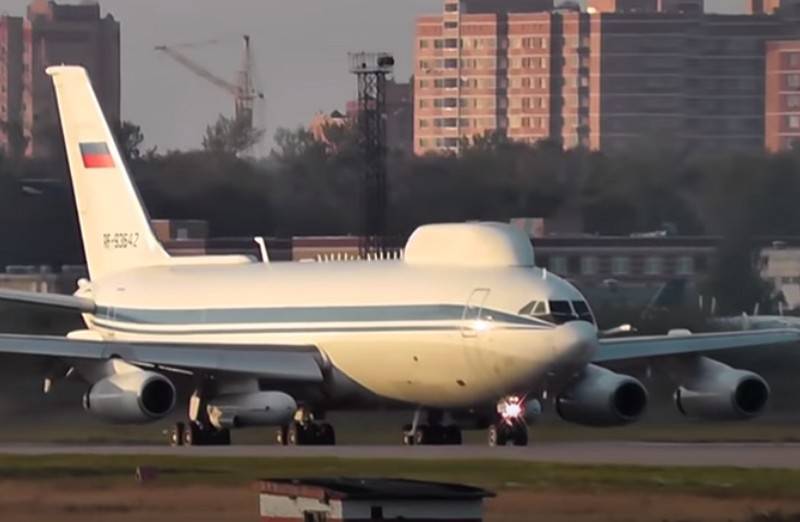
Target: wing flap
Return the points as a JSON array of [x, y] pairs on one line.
[[68, 302], [294, 363], [667, 345]]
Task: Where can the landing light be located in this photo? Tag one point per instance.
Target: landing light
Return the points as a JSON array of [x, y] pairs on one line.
[[511, 409]]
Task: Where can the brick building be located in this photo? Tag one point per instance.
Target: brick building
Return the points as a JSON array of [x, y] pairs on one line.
[[771, 6], [646, 6], [13, 35], [782, 120], [622, 73], [50, 34]]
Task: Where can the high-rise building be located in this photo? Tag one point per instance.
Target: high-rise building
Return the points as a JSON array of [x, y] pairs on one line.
[[51, 34], [622, 6], [693, 81], [602, 79], [782, 120], [12, 70], [681, 6], [482, 71], [772, 6], [646, 6]]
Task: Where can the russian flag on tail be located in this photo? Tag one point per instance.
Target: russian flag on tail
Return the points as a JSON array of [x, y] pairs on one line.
[[96, 156]]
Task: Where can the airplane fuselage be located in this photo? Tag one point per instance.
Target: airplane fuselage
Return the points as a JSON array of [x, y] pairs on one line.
[[439, 336]]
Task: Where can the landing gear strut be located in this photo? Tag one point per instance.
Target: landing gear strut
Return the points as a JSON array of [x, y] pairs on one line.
[[198, 431]]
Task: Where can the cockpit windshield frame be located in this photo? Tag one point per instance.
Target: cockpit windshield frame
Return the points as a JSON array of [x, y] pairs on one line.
[[559, 311]]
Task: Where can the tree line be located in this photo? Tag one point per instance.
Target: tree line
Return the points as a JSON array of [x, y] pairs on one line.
[[307, 187]]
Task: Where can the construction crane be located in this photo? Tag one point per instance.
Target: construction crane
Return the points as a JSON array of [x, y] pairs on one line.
[[244, 88]]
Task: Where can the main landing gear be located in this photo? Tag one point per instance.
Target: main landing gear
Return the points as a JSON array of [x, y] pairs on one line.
[[434, 433], [510, 426], [196, 434], [198, 431], [306, 431]]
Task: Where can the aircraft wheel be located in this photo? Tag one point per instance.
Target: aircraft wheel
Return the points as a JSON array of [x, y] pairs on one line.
[[222, 438], [452, 436], [519, 435], [498, 435], [326, 435], [176, 434], [295, 434], [192, 435], [195, 435], [423, 436], [281, 436]]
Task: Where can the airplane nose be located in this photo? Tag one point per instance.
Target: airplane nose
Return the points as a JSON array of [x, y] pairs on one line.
[[575, 341]]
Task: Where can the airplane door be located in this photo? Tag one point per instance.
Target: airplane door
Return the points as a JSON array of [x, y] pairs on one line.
[[472, 324], [474, 328], [476, 332]]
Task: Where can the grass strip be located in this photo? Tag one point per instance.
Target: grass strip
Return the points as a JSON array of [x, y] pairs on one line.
[[493, 474]]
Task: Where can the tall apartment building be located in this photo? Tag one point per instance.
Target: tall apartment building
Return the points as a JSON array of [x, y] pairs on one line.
[[772, 6], [12, 36], [473, 76], [51, 34], [600, 79], [782, 120], [646, 6]]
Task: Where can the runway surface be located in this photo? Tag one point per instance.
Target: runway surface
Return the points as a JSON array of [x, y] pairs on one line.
[[623, 453]]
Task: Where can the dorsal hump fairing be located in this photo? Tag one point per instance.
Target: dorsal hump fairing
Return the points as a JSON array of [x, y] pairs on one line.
[[469, 245], [115, 228]]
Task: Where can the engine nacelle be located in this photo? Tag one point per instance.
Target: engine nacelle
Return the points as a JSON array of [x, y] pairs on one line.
[[131, 397], [713, 390], [240, 410], [602, 398]]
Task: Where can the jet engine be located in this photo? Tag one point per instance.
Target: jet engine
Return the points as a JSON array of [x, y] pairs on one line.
[[601, 397], [712, 390], [131, 397], [241, 410]]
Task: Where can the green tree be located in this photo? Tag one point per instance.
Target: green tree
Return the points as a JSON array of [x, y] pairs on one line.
[[130, 138], [231, 136]]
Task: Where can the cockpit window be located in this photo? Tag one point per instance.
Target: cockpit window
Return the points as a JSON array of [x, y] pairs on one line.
[[583, 311], [561, 312], [535, 309]]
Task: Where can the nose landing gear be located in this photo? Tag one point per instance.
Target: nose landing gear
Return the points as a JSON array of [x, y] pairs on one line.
[[502, 433], [511, 425]]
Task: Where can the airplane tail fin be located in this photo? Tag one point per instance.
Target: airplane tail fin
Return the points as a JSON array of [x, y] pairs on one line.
[[115, 227]]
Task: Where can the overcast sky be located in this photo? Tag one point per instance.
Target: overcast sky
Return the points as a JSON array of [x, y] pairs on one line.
[[300, 48]]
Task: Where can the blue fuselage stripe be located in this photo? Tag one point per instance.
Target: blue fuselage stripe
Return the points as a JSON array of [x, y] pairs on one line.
[[320, 315]]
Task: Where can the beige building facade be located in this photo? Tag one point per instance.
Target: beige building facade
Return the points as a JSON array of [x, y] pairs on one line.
[[52, 34], [616, 77]]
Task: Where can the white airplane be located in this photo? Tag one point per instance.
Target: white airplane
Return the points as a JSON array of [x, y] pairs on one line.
[[465, 329]]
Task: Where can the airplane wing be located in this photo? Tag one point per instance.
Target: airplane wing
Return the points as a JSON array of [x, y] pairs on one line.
[[68, 302], [290, 363], [627, 348]]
